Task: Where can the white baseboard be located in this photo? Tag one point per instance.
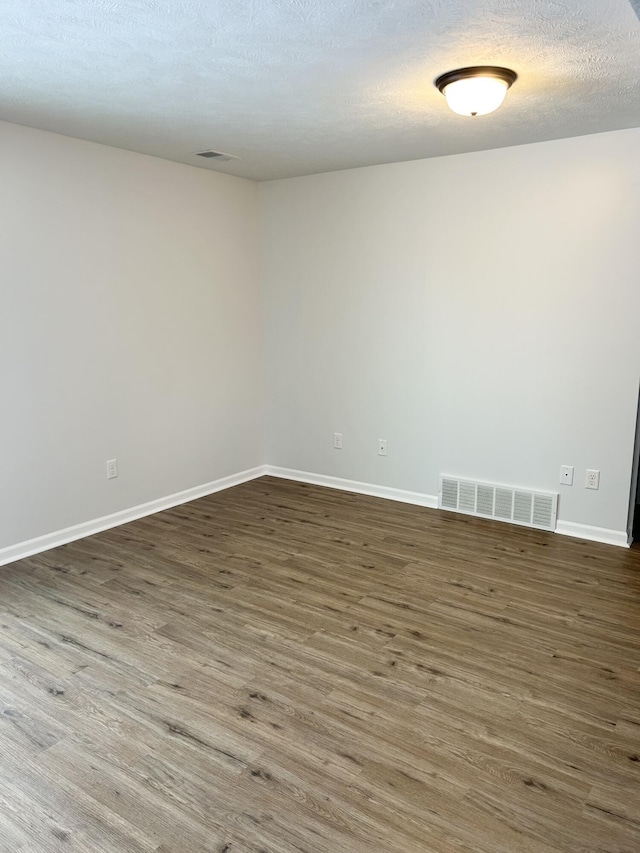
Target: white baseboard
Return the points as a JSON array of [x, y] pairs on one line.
[[594, 534], [565, 528], [61, 537], [371, 489], [97, 525]]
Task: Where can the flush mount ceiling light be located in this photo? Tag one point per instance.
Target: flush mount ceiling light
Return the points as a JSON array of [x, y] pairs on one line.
[[475, 91]]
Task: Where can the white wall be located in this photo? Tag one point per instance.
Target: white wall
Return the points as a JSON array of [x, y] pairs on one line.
[[130, 327], [481, 312]]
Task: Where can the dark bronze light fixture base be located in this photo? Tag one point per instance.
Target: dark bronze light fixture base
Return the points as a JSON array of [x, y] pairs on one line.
[[505, 74]]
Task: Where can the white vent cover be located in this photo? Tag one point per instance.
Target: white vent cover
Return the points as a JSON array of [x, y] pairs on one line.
[[505, 503]]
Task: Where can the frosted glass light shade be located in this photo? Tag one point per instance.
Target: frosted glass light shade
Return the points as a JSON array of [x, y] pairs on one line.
[[475, 91], [475, 96]]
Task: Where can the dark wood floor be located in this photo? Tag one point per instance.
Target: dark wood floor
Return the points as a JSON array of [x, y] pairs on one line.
[[283, 668]]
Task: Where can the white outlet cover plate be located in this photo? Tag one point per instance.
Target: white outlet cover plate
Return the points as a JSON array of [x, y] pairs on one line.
[[592, 480]]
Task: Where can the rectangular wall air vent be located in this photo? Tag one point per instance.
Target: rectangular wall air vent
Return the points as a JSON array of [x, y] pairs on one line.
[[487, 500]]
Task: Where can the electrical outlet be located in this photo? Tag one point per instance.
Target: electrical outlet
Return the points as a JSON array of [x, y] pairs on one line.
[[593, 479], [566, 475], [112, 468], [337, 441], [382, 447]]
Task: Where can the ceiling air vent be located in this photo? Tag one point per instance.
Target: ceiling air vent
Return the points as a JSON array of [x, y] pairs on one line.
[[504, 503], [218, 156]]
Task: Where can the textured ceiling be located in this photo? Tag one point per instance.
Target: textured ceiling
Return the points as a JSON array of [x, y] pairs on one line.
[[295, 87]]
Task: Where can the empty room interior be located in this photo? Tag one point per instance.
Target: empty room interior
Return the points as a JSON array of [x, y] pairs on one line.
[[320, 339]]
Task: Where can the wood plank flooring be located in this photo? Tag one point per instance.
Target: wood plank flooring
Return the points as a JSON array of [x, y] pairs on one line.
[[282, 668]]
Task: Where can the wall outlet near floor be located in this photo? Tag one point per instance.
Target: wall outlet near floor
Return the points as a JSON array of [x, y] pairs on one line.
[[382, 447], [112, 468], [337, 441], [593, 479], [566, 475]]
